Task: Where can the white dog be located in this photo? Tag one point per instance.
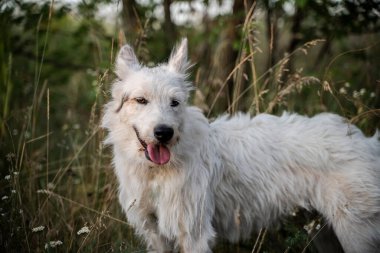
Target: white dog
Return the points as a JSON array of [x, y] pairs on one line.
[[184, 181]]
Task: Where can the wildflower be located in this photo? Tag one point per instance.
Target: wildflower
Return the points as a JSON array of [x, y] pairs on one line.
[[309, 227], [318, 227], [9, 156], [53, 244], [27, 135], [343, 91], [326, 86], [5, 197], [50, 186], [347, 85], [16, 173], [362, 91], [84, 230], [13, 191], [38, 229], [356, 94], [7, 177], [372, 95], [43, 191]]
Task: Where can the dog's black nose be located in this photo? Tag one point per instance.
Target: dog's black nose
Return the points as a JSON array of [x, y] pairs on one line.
[[163, 133]]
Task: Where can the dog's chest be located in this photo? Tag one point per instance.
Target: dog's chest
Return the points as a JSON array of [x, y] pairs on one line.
[[165, 191], [154, 191]]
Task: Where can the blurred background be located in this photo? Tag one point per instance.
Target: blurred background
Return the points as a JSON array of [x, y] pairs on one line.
[[57, 187]]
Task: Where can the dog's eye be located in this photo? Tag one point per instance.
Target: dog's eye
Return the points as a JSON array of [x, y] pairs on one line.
[[141, 100], [174, 103]]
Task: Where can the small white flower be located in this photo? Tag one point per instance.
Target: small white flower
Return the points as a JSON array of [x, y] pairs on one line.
[[7, 177], [27, 135], [16, 173], [347, 85], [76, 181], [50, 186], [342, 91], [84, 230], [372, 95], [318, 227], [13, 191], [10, 156], [362, 91], [43, 191], [5, 197], [38, 229], [356, 94], [53, 244]]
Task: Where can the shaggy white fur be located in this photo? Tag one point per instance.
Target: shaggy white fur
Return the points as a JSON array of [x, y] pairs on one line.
[[184, 181]]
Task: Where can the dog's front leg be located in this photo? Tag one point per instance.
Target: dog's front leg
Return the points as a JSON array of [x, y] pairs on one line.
[[189, 245], [145, 222], [196, 231], [156, 243]]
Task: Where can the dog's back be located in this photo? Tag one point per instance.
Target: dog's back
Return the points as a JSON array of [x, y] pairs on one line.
[[274, 164]]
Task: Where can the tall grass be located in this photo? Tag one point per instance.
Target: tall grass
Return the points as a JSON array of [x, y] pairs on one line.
[[58, 189], [53, 188]]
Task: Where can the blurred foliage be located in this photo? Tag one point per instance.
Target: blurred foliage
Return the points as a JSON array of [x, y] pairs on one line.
[[55, 74]]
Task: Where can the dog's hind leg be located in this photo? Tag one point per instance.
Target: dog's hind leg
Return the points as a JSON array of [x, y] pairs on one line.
[[350, 201], [359, 236], [355, 215]]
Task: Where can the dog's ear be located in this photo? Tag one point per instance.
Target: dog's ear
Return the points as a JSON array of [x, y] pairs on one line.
[[126, 61], [178, 58]]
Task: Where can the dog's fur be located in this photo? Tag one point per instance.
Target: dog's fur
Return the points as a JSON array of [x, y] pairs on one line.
[[237, 173]]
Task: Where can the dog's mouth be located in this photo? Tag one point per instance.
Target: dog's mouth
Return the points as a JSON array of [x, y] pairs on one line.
[[156, 153]]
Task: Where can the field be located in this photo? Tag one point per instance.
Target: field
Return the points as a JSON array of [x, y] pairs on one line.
[[58, 189]]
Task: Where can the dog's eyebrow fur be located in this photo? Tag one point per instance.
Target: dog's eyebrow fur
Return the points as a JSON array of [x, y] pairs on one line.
[[123, 100]]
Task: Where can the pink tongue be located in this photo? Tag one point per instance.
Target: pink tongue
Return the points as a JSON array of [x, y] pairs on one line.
[[158, 154]]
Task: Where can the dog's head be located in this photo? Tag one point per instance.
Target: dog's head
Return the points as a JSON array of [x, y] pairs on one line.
[[147, 107]]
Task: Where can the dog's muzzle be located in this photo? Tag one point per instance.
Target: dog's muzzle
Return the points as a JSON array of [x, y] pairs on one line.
[[157, 153], [143, 143], [163, 133]]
